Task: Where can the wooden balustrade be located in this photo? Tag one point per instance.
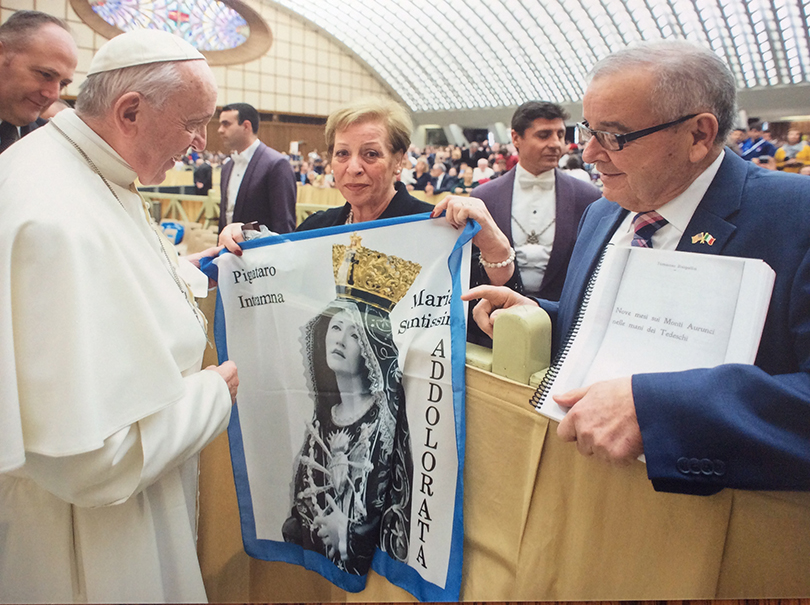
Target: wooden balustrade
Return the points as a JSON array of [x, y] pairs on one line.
[[204, 209]]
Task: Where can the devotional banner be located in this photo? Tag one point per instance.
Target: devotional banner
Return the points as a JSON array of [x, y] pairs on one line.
[[347, 438]]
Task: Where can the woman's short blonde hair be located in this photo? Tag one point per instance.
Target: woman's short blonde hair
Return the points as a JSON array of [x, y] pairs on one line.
[[394, 116]]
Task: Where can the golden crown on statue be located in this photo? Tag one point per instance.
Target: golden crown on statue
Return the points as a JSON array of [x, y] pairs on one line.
[[370, 276]]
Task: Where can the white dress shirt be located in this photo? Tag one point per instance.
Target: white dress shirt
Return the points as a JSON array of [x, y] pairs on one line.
[[534, 210], [678, 212], [240, 163], [479, 174]]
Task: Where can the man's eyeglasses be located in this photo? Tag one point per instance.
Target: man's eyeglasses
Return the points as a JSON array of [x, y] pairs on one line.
[[616, 142]]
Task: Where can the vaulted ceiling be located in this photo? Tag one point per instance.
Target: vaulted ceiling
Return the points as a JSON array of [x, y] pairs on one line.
[[446, 55]]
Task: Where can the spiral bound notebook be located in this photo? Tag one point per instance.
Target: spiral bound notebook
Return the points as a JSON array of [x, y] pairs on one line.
[[649, 310]]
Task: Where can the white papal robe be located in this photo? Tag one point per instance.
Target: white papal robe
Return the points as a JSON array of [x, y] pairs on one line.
[[103, 406]]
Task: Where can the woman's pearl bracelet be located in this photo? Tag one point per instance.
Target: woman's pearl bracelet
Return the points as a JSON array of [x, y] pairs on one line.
[[503, 263]]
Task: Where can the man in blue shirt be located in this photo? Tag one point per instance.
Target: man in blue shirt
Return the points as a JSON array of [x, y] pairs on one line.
[[755, 145]]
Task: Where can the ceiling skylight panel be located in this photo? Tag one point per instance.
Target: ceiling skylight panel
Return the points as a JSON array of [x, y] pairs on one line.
[[556, 73], [346, 20], [492, 67], [499, 67], [587, 44], [705, 22], [580, 51], [382, 47], [624, 22], [766, 55], [792, 32], [567, 18], [528, 76], [742, 32], [678, 20], [464, 68], [647, 26], [629, 31], [779, 54], [566, 67], [609, 28], [694, 26], [710, 23], [660, 10], [758, 25], [635, 7], [722, 43], [603, 21], [545, 47], [665, 27], [803, 56], [642, 18], [595, 12]]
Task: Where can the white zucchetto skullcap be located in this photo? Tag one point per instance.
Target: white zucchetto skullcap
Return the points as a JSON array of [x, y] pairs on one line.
[[141, 47]]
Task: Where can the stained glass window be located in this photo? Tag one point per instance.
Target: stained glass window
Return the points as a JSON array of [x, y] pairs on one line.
[[207, 24]]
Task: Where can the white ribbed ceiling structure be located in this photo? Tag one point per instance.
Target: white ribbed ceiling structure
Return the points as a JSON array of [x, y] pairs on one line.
[[439, 55]]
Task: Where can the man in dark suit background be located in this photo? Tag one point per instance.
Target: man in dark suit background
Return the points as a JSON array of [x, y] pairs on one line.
[[472, 154], [258, 183], [440, 180], [37, 59], [657, 117], [537, 206], [203, 177]]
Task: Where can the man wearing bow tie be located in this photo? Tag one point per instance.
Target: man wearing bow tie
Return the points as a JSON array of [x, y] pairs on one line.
[[536, 205]]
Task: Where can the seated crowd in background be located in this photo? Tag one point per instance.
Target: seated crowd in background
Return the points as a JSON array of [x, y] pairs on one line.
[[459, 169], [758, 145]]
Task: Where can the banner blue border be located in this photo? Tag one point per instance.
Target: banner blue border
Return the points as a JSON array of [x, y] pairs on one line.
[[397, 572]]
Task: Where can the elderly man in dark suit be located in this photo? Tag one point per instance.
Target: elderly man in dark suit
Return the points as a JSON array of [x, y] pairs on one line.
[[37, 60], [536, 205], [440, 180], [657, 117], [258, 183], [472, 154]]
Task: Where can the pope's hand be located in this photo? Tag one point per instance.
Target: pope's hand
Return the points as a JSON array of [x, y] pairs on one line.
[[493, 300], [229, 374], [231, 236], [602, 421], [195, 258]]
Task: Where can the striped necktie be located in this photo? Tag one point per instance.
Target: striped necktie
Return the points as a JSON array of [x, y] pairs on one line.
[[645, 224]]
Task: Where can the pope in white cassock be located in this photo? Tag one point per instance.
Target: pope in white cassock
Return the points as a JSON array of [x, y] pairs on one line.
[[103, 406]]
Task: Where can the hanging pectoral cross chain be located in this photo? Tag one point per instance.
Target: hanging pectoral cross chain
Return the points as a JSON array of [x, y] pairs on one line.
[[533, 238]]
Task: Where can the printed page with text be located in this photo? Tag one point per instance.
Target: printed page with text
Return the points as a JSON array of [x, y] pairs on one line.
[[663, 311]]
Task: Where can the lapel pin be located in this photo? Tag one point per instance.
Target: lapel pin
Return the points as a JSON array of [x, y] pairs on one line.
[[703, 238]]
